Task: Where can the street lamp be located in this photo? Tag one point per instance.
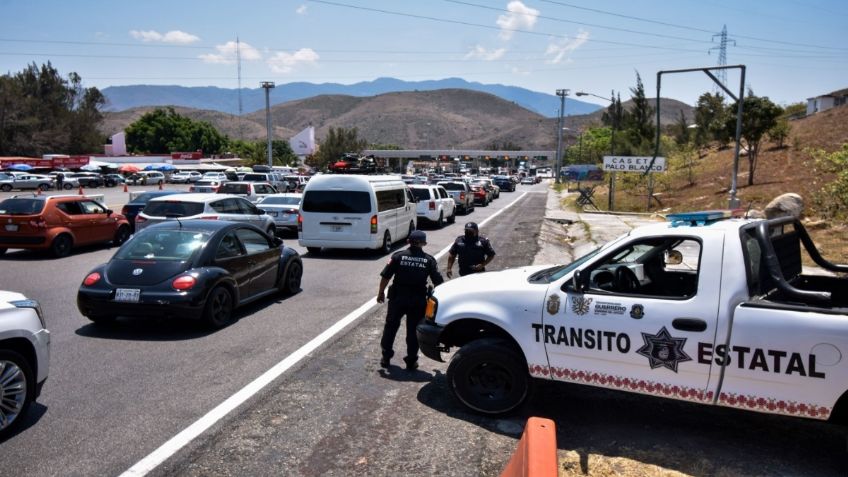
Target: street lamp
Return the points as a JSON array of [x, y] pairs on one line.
[[614, 120], [268, 86], [562, 93]]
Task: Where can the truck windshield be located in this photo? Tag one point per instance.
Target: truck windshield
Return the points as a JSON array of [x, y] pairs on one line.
[[553, 274]]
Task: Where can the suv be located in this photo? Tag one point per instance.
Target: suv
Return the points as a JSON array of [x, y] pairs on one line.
[[272, 178], [204, 206], [206, 185], [24, 357], [68, 181], [27, 181], [434, 204], [505, 183], [58, 223], [462, 195], [251, 191], [88, 179]]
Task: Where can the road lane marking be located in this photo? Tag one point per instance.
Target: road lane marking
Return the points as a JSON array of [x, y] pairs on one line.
[[184, 437]]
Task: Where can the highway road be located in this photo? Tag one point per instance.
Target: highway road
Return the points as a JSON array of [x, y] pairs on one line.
[[117, 394]]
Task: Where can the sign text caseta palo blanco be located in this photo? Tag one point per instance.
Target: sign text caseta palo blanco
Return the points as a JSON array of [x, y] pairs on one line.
[[703, 308]]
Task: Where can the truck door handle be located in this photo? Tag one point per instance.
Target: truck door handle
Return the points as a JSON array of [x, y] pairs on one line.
[[689, 324]]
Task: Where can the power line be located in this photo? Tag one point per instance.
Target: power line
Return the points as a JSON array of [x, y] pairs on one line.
[[657, 22]]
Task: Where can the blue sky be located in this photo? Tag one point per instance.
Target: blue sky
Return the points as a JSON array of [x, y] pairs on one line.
[[793, 49]]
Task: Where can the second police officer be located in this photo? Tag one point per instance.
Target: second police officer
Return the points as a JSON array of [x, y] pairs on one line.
[[407, 296], [474, 252]]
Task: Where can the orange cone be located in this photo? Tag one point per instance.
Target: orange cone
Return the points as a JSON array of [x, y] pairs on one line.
[[125, 187], [160, 186], [80, 190], [39, 191]]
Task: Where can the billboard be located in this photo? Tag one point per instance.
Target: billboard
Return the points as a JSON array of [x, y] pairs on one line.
[[582, 173]]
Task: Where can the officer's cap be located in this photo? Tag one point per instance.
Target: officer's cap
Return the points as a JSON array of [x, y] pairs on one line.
[[471, 226], [418, 236]]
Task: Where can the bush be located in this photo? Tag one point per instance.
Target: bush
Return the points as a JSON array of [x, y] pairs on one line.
[[832, 199]]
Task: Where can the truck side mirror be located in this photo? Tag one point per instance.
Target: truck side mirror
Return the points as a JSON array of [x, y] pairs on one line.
[[673, 257], [578, 282]]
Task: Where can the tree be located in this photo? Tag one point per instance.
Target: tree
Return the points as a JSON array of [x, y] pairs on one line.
[[710, 119], [42, 112], [163, 131], [337, 142], [779, 132], [759, 115], [256, 152], [681, 130], [638, 122]]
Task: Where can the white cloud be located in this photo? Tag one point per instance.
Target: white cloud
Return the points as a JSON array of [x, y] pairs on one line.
[[284, 62], [173, 36], [558, 49], [227, 53], [301, 10], [481, 52], [520, 17]]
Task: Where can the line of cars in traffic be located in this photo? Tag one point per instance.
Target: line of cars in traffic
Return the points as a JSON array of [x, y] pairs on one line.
[[55, 180]]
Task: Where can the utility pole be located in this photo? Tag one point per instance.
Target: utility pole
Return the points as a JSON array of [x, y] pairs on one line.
[[268, 86], [562, 93]]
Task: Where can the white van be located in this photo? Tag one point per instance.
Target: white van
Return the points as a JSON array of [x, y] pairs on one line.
[[354, 211]]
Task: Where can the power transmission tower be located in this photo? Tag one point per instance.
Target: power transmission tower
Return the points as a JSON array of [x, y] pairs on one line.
[[238, 60], [722, 57]]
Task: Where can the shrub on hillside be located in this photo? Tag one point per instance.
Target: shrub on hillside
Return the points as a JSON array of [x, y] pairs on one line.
[[831, 201]]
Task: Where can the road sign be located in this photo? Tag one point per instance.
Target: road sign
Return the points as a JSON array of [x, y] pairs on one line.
[[633, 163]]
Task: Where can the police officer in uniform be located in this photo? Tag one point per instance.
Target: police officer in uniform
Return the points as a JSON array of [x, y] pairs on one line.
[[407, 295], [474, 252]]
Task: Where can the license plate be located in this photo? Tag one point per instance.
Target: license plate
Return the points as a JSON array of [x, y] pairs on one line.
[[11, 227], [337, 228], [127, 294]]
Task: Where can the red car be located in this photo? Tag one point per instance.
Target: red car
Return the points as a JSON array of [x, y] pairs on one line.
[[481, 195], [58, 223]]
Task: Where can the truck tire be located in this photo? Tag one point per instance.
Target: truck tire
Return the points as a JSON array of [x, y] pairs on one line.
[[489, 376]]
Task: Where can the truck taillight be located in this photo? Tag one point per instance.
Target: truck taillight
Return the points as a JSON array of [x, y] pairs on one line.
[[462, 196], [432, 205], [373, 224], [299, 223]]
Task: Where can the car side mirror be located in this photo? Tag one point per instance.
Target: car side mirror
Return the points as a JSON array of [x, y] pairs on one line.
[[260, 211], [673, 257], [109, 212], [278, 241]]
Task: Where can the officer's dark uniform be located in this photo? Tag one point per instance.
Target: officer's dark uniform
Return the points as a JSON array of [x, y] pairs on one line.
[[407, 296], [471, 252]]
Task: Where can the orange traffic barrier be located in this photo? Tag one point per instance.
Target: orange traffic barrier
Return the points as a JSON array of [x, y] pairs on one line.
[[80, 190], [536, 454]]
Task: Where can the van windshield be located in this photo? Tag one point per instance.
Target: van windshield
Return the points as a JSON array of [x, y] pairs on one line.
[[337, 201]]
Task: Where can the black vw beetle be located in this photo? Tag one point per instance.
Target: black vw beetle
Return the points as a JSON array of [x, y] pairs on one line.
[[200, 269]]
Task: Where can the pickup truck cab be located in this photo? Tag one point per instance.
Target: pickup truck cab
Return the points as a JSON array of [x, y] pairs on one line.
[[705, 309]]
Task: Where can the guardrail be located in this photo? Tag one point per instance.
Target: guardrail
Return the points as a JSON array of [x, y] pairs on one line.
[[536, 454]]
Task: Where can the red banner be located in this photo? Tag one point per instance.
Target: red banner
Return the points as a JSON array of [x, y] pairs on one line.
[[181, 156], [70, 162]]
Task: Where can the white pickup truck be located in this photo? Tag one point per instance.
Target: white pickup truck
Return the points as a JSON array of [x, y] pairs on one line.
[[703, 308]]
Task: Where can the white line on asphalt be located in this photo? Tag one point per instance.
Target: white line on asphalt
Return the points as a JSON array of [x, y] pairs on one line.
[[184, 437]]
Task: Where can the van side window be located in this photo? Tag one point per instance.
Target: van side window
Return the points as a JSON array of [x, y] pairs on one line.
[[390, 199]]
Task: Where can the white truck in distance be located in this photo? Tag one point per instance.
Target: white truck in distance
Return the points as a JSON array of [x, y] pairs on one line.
[[704, 309]]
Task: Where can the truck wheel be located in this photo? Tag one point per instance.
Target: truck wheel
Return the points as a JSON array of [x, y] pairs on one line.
[[452, 217], [489, 376]]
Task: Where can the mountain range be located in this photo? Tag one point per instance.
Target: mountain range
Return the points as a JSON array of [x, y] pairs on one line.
[[446, 118], [225, 100]]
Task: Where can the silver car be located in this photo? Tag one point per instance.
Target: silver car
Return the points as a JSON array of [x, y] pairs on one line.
[[24, 357], [204, 206], [28, 181], [284, 208]]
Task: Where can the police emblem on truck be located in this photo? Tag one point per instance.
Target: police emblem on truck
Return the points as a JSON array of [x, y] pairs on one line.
[[553, 304]]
